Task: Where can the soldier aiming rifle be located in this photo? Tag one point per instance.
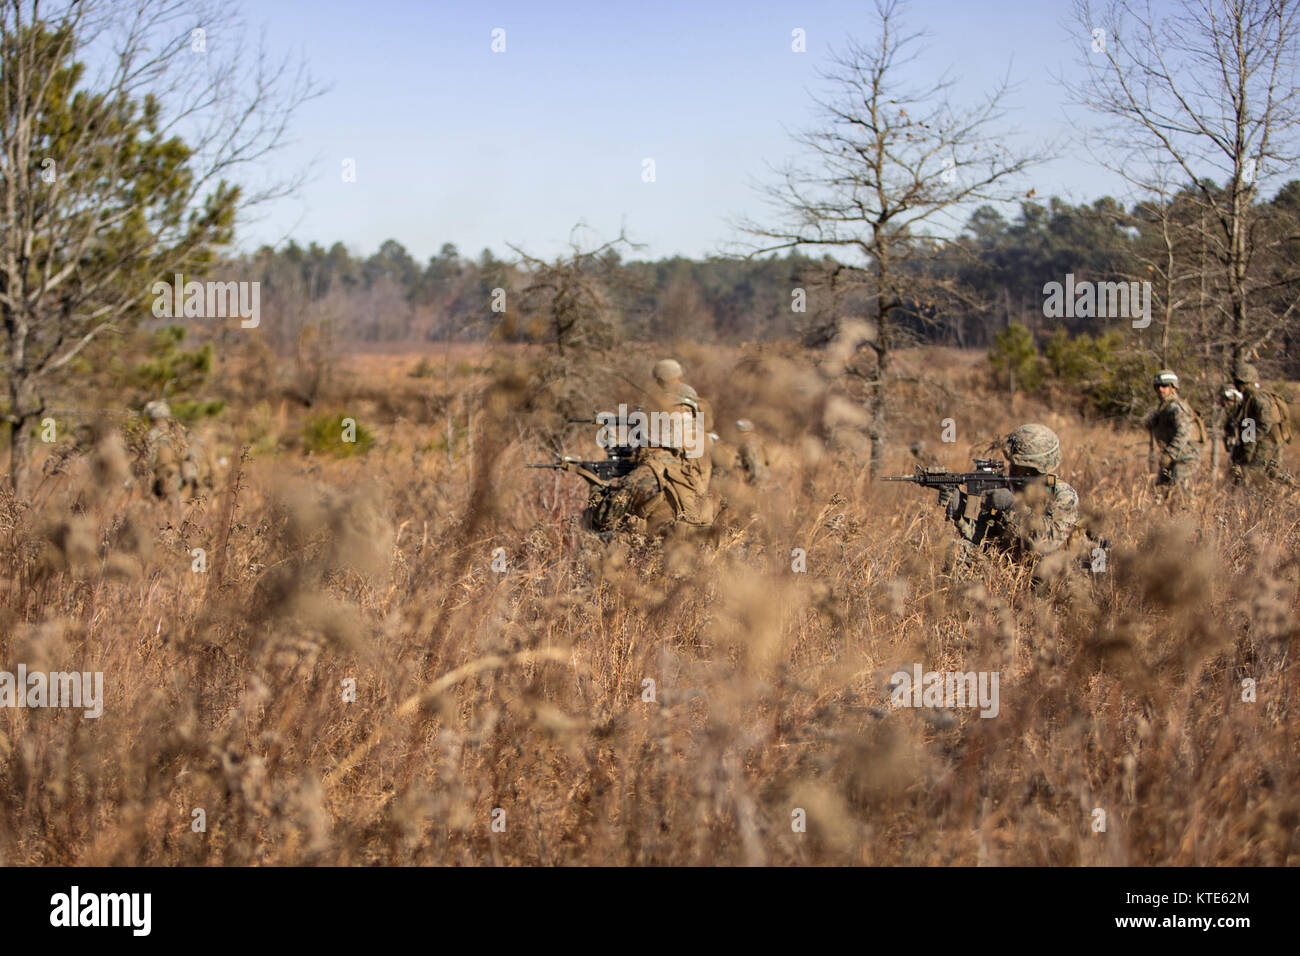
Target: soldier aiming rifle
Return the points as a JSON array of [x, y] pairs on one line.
[[1025, 511], [619, 460]]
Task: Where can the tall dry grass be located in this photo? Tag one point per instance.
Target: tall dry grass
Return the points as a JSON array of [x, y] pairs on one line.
[[523, 691]]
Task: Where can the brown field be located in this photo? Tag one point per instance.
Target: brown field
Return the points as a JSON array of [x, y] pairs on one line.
[[518, 696]]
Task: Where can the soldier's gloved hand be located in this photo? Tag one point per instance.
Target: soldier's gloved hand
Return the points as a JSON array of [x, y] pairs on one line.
[[1001, 499], [949, 501]]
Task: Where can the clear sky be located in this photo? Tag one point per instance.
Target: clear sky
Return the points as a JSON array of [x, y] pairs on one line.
[[455, 143]]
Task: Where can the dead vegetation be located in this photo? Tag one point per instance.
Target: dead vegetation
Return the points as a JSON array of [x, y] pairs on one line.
[[623, 703]]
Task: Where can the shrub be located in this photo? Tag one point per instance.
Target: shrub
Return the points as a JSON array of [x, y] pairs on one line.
[[1015, 359], [325, 434]]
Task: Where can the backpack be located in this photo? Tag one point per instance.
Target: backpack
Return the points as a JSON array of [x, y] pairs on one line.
[[1283, 415]]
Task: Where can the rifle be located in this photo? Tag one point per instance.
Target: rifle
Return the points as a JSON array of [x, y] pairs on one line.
[[988, 492], [989, 475], [620, 460], [982, 500]]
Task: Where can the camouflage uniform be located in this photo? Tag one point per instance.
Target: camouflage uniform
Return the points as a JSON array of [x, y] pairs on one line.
[[1230, 400], [175, 463], [666, 486], [1036, 520], [1259, 460], [1174, 430], [700, 466]]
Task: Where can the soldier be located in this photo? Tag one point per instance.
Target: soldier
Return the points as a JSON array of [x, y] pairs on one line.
[[698, 450], [1258, 427], [752, 456], [1176, 431], [1038, 518], [174, 463], [1230, 402], [668, 374], [667, 486]]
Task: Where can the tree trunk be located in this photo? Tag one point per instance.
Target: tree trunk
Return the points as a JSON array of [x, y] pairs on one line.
[[876, 403], [25, 409], [20, 453]]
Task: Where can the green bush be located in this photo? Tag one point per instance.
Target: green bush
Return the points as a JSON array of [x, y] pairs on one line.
[[325, 434], [1105, 370], [190, 410], [169, 371], [1015, 360], [171, 368]]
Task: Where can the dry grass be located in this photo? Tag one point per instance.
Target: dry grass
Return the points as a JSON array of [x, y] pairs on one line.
[[524, 690]]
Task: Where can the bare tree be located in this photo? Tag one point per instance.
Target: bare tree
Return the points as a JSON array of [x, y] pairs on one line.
[[1206, 96], [573, 294], [888, 165], [112, 181]]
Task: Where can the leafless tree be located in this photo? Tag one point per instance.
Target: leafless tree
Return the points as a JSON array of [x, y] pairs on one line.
[[887, 170], [1204, 98], [572, 292]]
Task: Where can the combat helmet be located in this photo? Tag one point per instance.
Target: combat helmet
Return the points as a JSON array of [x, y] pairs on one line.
[[157, 411], [744, 425], [1034, 446], [667, 370], [1165, 377], [1245, 374], [685, 395]]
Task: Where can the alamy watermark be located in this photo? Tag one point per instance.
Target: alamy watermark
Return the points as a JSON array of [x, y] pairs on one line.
[[55, 689], [676, 430], [948, 689], [75, 909], [208, 300], [1101, 300]]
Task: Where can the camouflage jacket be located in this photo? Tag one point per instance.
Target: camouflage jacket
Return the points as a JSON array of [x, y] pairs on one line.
[[1231, 422], [1255, 409], [1040, 523], [1173, 426]]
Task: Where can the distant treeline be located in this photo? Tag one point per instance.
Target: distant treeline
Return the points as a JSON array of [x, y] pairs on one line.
[[998, 267]]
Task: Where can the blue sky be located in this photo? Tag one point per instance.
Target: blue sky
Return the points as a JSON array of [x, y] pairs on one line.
[[455, 143]]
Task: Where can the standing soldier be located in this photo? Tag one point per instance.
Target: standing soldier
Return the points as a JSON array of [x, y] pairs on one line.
[[1176, 431], [1230, 402], [1259, 427]]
